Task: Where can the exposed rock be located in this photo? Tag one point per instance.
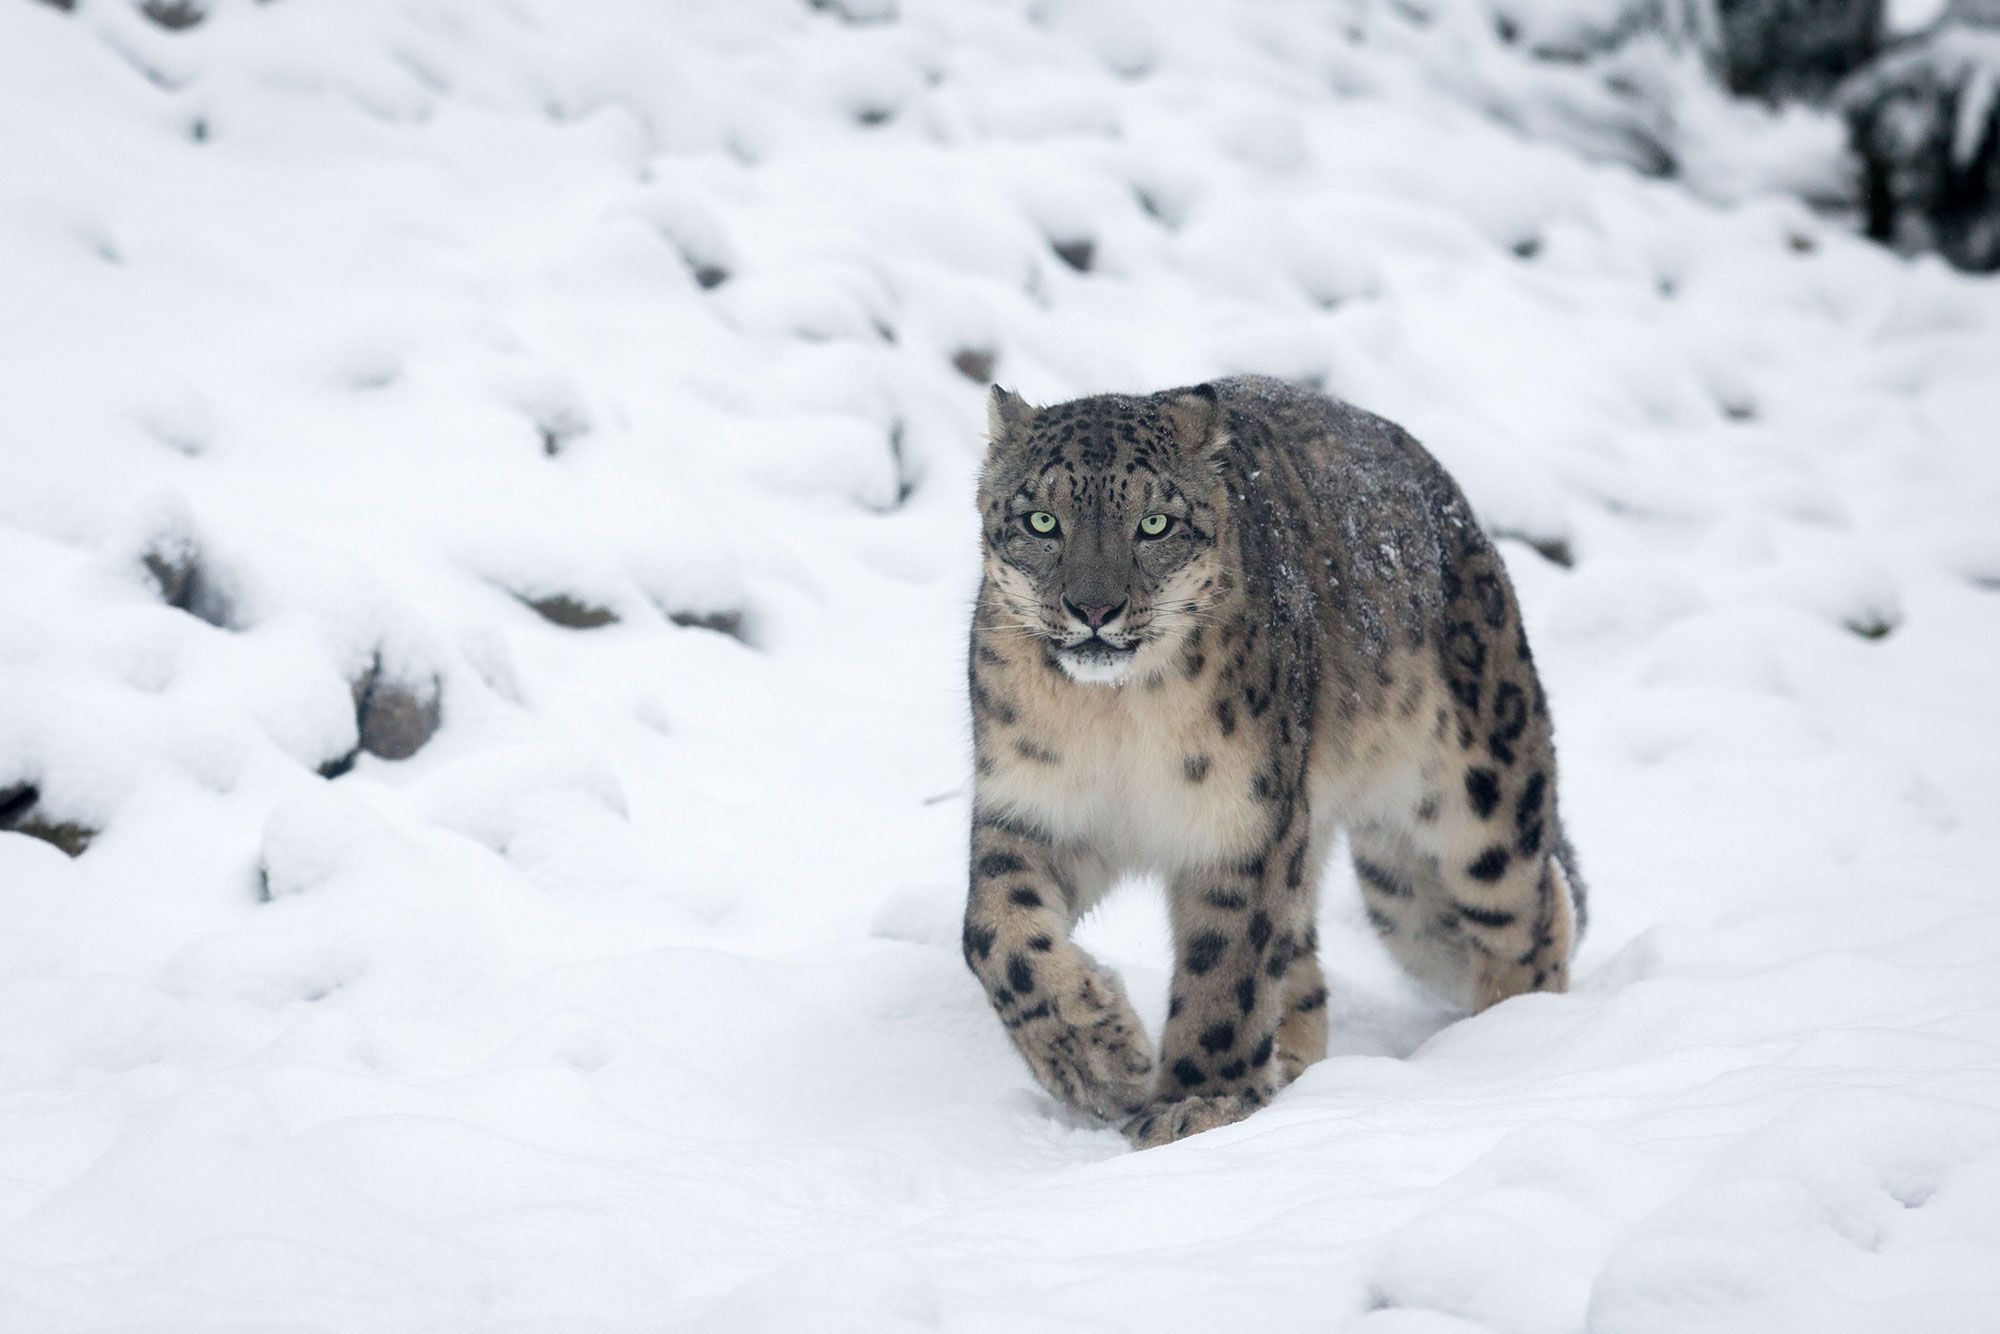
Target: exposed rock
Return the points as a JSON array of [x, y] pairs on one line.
[[18, 815], [15, 801], [899, 460], [175, 15], [394, 716], [1555, 550], [172, 568], [1871, 625], [176, 564], [397, 718], [708, 275], [339, 766], [1158, 209], [976, 364], [569, 612], [698, 234], [727, 621], [559, 427], [1080, 252]]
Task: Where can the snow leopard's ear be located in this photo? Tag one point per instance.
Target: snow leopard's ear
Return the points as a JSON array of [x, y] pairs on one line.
[[1196, 417], [1008, 418]]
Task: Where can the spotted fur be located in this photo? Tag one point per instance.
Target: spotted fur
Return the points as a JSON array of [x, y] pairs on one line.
[[1322, 638]]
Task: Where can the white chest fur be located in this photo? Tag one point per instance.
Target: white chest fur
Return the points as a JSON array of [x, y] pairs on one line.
[[1142, 775]]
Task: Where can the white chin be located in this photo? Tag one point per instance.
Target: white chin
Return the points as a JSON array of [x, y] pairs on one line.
[[1097, 668]]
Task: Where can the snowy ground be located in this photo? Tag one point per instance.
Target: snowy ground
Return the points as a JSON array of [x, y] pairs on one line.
[[633, 999]]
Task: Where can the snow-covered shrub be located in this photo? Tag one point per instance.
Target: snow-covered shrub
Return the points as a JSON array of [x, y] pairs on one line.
[[1924, 121], [1778, 49]]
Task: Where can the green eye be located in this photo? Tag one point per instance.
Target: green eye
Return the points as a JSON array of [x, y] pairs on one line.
[[1042, 521], [1155, 525]]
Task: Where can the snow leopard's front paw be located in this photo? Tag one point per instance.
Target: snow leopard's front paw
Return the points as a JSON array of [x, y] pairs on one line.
[[1084, 1044], [1168, 1120]]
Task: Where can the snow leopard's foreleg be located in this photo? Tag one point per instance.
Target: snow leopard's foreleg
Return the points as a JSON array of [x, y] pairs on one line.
[[1066, 1013]]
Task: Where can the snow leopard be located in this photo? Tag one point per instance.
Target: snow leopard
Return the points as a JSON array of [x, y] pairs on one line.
[[1216, 627]]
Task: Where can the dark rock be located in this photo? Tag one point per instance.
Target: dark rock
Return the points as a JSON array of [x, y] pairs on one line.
[[72, 838], [18, 815], [172, 568], [393, 716], [175, 15], [15, 801], [176, 565], [1555, 550], [1871, 625], [727, 621], [1080, 253], [1156, 208], [559, 427], [570, 613], [339, 766], [708, 276], [398, 719], [976, 364], [906, 482]]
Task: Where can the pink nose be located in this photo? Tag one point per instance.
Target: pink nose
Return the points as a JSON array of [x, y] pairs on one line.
[[1095, 614]]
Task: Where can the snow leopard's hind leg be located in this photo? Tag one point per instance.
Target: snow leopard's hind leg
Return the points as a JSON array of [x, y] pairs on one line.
[[1473, 887], [1474, 942], [1066, 1013], [1302, 1032]]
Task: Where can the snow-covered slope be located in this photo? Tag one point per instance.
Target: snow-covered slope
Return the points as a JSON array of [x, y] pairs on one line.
[[601, 382]]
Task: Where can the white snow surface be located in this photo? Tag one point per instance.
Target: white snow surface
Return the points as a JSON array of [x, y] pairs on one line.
[[633, 1000]]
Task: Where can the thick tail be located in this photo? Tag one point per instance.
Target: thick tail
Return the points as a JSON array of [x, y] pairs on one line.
[[1579, 895]]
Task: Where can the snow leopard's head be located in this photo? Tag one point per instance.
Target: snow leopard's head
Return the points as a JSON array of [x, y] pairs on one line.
[[1103, 522]]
